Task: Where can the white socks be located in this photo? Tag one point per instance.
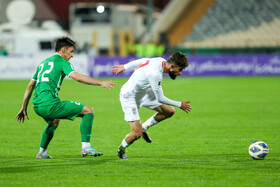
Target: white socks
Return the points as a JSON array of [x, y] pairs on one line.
[[149, 123], [124, 145], [43, 151], [85, 144]]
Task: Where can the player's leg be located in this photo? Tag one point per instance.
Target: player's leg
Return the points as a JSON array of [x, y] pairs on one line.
[[87, 115], [163, 112], [70, 110], [131, 115], [46, 139], [135, 134]]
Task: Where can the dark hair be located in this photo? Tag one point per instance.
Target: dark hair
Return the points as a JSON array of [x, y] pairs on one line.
[[179, 59], [63, 42]]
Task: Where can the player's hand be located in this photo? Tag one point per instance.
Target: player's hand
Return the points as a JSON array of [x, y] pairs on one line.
[[118, 69], [22, 115], [108, 84], [186, 106]]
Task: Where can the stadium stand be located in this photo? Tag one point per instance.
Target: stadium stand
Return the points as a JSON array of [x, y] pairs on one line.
[[237, 23]]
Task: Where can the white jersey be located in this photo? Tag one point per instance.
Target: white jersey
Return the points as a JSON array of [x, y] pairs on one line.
[[148, 74]]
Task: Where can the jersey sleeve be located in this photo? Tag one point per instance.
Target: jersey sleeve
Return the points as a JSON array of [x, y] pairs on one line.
[[135, 63], [67, 68], [155, 81], [161, 98], [35, 75]]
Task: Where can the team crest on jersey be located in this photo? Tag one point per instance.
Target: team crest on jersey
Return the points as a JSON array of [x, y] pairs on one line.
[[134, 111], [159, 83]]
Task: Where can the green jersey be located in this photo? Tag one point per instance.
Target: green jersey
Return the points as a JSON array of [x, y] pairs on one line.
[[49, 76]]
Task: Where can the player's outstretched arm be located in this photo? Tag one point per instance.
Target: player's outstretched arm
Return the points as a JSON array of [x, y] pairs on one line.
[[88, 80], [22, 114], [129, 66], [185, 105], [118, 69]]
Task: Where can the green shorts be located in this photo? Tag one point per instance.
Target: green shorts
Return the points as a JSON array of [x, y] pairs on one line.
[[62, 110]]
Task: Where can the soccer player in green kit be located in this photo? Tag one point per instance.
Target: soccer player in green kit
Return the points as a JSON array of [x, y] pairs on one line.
[[47, 81]]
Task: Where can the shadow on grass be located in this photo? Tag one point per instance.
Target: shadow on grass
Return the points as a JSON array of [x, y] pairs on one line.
[[223, 162], [211, 162], [20, 166]]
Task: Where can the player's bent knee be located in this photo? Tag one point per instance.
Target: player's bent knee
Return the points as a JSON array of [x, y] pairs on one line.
[[91, 110], [55, 122], [171, 112], [87, 109], [138, 135]]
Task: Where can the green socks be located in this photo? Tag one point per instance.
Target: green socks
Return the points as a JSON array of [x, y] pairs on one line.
[[47, 136], [86, 127]]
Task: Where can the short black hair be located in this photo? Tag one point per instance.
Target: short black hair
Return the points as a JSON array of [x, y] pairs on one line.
[[63, 42], [179, 59]]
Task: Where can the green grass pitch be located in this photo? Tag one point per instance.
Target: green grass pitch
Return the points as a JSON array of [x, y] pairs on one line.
[[208, 147]]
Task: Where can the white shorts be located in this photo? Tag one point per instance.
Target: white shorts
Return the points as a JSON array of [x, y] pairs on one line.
[[131, 105]]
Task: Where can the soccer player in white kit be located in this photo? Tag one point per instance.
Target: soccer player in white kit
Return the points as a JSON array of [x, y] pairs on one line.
[[144, 89]]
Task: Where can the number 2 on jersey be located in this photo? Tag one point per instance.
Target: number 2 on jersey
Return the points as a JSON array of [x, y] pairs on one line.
[[43, 78]]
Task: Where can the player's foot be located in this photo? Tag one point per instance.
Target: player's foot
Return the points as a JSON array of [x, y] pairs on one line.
[[146, 137], [91, 151], [122, 154], [40, 156]]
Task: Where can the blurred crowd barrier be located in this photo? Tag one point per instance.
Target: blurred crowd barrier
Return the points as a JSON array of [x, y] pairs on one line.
[[199, 65], [23, 67]]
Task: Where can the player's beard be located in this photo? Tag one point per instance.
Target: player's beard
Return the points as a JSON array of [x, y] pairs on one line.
[[172, 74]]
